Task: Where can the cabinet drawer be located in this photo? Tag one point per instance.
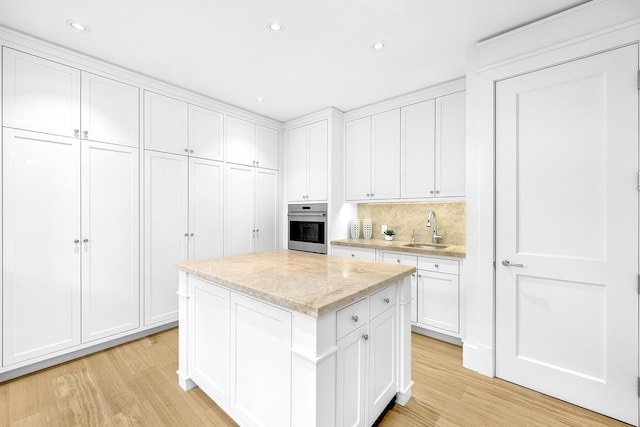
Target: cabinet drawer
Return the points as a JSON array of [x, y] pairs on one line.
[[400, 259], [383, 299], [355, 253], [351, 317], [438, 265]]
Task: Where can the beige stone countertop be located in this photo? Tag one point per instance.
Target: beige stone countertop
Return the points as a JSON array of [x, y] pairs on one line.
[[310, 283], [458, 251]]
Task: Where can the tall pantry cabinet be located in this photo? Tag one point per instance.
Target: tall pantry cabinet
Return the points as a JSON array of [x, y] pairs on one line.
[[183, 196], [70, 211]]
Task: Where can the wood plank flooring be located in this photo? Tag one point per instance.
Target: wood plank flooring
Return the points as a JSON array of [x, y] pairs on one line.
[[135, 384]]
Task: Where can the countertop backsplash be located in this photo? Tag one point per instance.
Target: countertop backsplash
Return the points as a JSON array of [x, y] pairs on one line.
[[404, 217]]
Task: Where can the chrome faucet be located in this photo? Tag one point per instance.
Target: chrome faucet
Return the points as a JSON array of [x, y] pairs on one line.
[[434, 237]]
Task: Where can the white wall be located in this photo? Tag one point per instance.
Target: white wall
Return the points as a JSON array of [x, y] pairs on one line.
[[592, 27]]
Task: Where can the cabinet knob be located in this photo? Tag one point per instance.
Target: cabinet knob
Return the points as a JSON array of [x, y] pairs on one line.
[[257, 163], [76, 132], [191, 151], [368, 194], [386, 300], [365, 337], [353, 255], [398, 261], [354, 317], [436, 265], [86, 240], [191, 235], [86, 134], [419, 276], [257, 230], [186, 150], [186, 234], [437, 191], [76, 241], [372, 194], [413, 275]]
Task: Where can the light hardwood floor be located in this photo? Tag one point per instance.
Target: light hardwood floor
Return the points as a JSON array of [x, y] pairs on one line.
[[136, 384]]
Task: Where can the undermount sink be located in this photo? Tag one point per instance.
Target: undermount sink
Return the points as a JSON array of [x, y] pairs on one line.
[[425, 246]]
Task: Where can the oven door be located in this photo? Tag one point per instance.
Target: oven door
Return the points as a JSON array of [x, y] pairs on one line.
[[308, 233]]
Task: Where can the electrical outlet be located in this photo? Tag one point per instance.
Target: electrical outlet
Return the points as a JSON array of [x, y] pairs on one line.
[[384, 228]]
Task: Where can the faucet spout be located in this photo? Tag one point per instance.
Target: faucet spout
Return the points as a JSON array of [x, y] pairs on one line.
[[435, 238]]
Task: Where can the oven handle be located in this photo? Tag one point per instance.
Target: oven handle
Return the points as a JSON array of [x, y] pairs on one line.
[[310, 215]]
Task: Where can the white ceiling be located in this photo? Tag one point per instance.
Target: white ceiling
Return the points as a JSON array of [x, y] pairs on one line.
[[323, 58]]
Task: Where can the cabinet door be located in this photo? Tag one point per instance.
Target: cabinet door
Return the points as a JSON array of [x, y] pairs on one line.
[[165, 233], [41, 244], [297, 162], [358, 159], [438, 301], [209, 339], [383, 333], [205, 133], [110, 111], [351, 371], [205, 209], [40, 95], [165, 124], [318, 165], [110, 240], [418, 150], [267, 144], [262, 387], [239, 234], [450, 145], [240, 141], [266, 210], [385, 155]]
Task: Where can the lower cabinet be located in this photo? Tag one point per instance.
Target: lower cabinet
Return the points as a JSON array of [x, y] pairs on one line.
[[367, 358], [438, 300], [354, 253]]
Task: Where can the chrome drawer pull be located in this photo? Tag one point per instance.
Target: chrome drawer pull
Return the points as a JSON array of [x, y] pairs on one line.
[[354, 318], [386, 300]]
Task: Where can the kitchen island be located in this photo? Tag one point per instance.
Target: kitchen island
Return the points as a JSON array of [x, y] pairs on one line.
[[287, 338]]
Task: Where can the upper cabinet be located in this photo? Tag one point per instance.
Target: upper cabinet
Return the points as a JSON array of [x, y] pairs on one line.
[[251, 144], [373, 157], [308, 162], [44, 96], [433, 148], [176, 127]]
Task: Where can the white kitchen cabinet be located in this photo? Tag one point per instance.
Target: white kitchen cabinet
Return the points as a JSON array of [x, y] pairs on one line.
[[450, 145], [110, 111], [308, 163], [433, 148], [439, 301], [410, 260], [80, 220], [41, 228], [351, 367], [39, 94], [373, 157], [250, 209], [418, 150], [210, 311], [110, 240], [258, 382], [354, 253], [166, 124], [206, 135], [250, 144], [206, 189], [383, 380], [166, 232], [183, 220], [49, 97]]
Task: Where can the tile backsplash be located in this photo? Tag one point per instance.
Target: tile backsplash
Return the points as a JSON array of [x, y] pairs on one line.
[[404, 217]]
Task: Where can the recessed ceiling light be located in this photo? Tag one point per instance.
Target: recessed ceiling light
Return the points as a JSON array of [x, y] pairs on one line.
[[259, 99], [379, 45], [77, 25], [275, 27]]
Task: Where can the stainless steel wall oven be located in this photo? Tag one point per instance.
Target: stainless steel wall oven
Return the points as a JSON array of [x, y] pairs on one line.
[[308, 227]]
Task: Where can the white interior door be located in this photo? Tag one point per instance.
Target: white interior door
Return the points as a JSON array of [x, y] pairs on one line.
[[567, 221]]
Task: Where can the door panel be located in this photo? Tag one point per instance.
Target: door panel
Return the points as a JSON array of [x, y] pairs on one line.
[[567, 211], [239, 234], [385, 157], [41, 259], [205, 209], [267, 147], [450, 145], [241, 136], [266, 210], [297, 164], [318, 161], [206, 135], [358, 158], [110, 257], [166, 124], [417, 150]]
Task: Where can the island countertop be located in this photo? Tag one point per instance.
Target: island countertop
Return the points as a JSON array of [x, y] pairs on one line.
[[310, 283]]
